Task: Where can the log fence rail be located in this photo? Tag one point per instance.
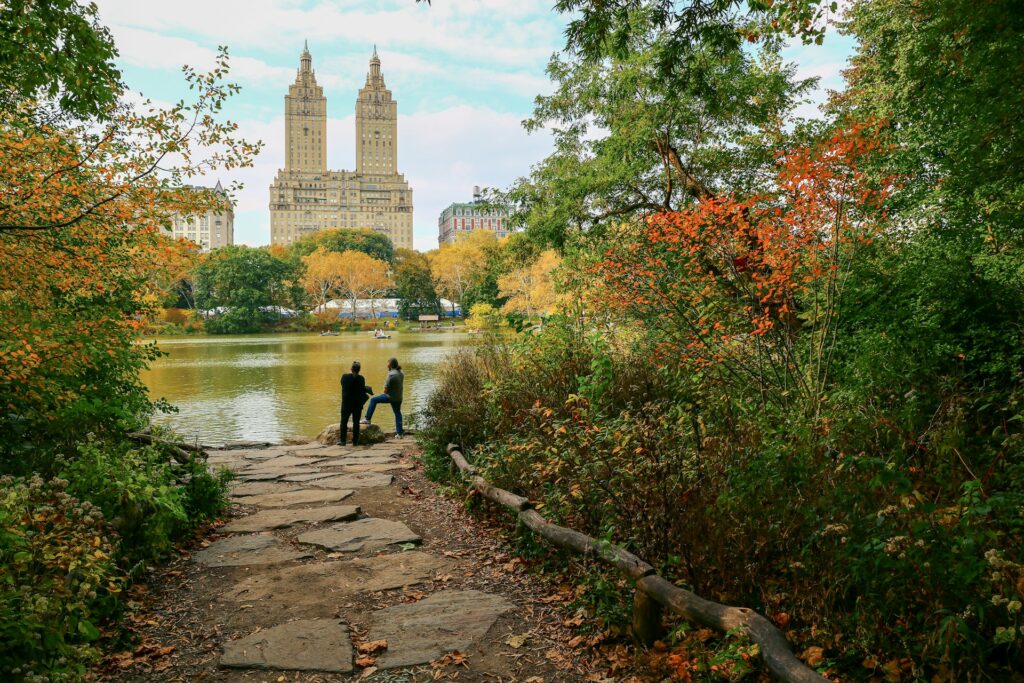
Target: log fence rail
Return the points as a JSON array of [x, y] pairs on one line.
[[653, 594]]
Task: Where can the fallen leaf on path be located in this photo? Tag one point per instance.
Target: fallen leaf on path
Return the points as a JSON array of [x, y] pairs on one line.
[[534, 679], [368, 671], [365, 662], [813, 656], [517, 641], [372, 646]]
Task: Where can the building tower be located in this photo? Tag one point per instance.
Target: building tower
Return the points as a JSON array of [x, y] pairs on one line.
[[307, 197], [376, 125], [305, 120]]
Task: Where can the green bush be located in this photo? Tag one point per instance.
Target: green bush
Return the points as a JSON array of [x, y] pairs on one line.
[[147, 497], [57, 578], [845, 526]]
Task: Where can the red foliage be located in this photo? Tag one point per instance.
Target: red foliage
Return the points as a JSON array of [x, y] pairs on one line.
[[731, 276]]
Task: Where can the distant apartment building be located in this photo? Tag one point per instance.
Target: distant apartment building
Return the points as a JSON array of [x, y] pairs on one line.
[[307, 197], [461, 218], [210, 230]]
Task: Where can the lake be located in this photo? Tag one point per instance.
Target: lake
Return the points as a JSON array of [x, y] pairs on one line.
[[269, 387]]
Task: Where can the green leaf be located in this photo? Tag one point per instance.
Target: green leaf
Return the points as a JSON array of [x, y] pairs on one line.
[[88, 631]]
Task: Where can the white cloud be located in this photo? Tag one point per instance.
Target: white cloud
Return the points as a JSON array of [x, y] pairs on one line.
[[510, 32], [147, 49]]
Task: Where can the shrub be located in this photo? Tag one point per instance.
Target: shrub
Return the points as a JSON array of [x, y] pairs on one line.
[[148, 498], [57, 576]]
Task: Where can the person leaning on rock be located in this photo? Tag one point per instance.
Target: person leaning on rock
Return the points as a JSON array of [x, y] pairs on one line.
[[353, 395]]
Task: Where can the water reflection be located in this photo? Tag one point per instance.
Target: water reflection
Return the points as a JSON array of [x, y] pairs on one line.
[[273, 387]]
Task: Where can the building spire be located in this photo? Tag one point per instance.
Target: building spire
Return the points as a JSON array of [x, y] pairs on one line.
[[306, 59], [374, 75]]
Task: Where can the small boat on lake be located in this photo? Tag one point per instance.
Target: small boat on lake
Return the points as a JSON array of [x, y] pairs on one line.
[[328, 333]]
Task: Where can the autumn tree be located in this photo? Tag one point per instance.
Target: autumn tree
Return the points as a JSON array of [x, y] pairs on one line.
[[82, 211], [361, 276], [322, 275], [530, 289], [753, 286], [458, 266]]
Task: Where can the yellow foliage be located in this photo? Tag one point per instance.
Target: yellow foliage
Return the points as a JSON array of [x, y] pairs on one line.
[[531, 289]]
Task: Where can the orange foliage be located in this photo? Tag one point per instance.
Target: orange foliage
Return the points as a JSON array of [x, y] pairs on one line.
[[733, 277], [84, 258]]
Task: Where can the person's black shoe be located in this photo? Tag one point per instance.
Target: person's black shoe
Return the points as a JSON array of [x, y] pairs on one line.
[[341, 443]]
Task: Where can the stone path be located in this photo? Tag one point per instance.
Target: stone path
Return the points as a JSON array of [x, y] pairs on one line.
[[327, 569]]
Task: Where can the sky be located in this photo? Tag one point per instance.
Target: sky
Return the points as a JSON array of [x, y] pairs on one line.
[[464, 72]]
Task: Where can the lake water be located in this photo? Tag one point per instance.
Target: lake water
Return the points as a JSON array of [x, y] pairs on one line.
[[269, 387]]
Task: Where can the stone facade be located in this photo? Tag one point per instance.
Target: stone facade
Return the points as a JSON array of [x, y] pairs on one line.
[[462, 218], [306, 197], [210, 230]]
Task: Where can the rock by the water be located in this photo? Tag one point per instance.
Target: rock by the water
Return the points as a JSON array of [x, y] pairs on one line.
[[304, 645], [285, 499], [313, 584], [368, 434], [421, 632], [265, 520], [239, 551], [363, 534]]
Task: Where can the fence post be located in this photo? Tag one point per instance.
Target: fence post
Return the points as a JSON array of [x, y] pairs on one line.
[[647, 613]]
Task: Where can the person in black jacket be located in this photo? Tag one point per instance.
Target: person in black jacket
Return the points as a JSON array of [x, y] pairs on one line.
[[353, 395]]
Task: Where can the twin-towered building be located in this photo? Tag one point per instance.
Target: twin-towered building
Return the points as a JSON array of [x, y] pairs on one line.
[[306, 197]]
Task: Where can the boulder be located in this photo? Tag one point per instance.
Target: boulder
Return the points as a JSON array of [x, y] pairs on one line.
[[368, 434]]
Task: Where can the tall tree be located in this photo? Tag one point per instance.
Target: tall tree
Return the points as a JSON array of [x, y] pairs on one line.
[[629, 142], [322, 276], [531, 288], [457, 267], [81, 212], [414, 285], [246, 282], [338, 240], [361, 276]]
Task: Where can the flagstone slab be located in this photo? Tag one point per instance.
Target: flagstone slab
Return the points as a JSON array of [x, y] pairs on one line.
[[363, 534], [301, 447], [260, 453], [375, 467], [233, 465], [325, 452], [259, 488], [308, 475], [305, 497], [259, 476], [239, 551], [304, 645], [360, 480], [423, 631], [316, 583], [284, 461], [350, 460], [282, 518]]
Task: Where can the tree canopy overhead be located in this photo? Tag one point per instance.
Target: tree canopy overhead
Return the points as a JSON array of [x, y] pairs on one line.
[[55, 52]]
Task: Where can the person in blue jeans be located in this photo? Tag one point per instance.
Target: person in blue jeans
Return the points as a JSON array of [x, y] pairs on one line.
[[392, 394]]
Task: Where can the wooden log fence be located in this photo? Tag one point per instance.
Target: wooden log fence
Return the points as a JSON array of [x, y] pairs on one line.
[[653, 594]]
